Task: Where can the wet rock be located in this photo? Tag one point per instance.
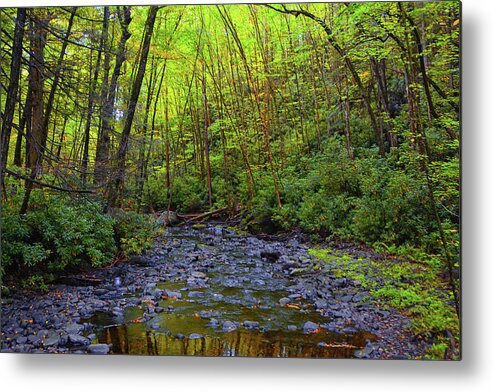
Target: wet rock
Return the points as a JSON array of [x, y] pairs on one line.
[[321, 304], [149, 288], [341, 282], [299, 271], [74, 329], [229, 326], [251, 324], [133, 301], [99, 349], [346, 298], [213, 323], [77, 340], [198, 274], [360, 296], [52, 340], [157, 293], [172, 294], [310, 326]]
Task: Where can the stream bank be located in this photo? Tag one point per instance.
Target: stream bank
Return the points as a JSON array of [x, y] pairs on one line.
[[211, 291]]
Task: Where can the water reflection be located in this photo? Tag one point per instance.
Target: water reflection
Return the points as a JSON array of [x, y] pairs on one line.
[[135, 339]]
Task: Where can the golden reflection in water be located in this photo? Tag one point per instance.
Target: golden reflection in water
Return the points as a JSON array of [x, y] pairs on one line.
[[135, 340]]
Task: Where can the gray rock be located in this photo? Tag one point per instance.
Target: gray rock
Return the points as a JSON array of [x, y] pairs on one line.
[[251, 324], [52, 341], [34, 339], [179, 336], [347, 298], [74, 328], [292, 327], [22, 340], [198, 274], [168, 218], [78, 340], [284, 301], [360, 296], [310, 326], [172, 294], [195, 336], [341, 282], [229, 326], [321, 304], [195, 294], [99, 348]]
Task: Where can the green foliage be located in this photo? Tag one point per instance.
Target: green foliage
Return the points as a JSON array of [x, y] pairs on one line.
[[411, 288], [58, 233], [134, 232]]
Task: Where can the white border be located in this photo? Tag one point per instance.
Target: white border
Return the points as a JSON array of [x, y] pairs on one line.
[[84, 373]]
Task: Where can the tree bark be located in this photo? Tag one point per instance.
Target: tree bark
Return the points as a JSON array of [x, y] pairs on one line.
[[109, 94], [121, 154], [15, 69]]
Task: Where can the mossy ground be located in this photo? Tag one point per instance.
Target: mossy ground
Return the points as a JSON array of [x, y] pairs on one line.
[[413, 288]]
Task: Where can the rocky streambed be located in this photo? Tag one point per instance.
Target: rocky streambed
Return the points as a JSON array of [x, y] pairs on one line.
[[210, 291]]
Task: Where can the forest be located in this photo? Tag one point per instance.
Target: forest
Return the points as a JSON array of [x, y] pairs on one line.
[[338, 123]]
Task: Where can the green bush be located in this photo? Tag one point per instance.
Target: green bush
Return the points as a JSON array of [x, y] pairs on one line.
[[56, 234], [59, 233], [133, 232]]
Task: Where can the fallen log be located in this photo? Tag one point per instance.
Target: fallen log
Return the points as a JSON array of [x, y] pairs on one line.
[[204, 215]]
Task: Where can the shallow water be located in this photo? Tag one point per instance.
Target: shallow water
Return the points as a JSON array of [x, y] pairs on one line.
[[241, 287]]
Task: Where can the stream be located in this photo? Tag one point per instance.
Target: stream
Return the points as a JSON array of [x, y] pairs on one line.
[[215, 295], [208, 290]]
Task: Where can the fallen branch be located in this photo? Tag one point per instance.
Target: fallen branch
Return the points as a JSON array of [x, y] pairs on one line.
[[203, 216], [208, 214]]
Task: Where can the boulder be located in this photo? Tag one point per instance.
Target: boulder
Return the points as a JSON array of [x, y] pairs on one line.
[[77, 341], [229, 326], [168, 218], [99, 349], [310, 326]]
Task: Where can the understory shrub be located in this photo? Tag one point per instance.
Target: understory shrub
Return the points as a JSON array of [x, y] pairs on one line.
[[58, 233]]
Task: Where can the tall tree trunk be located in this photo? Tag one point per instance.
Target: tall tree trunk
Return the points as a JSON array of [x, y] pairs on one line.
[[56, 79], [121, 154], [108, 93], [90, 109], [36, 79], [9, 110], [206, 134]]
